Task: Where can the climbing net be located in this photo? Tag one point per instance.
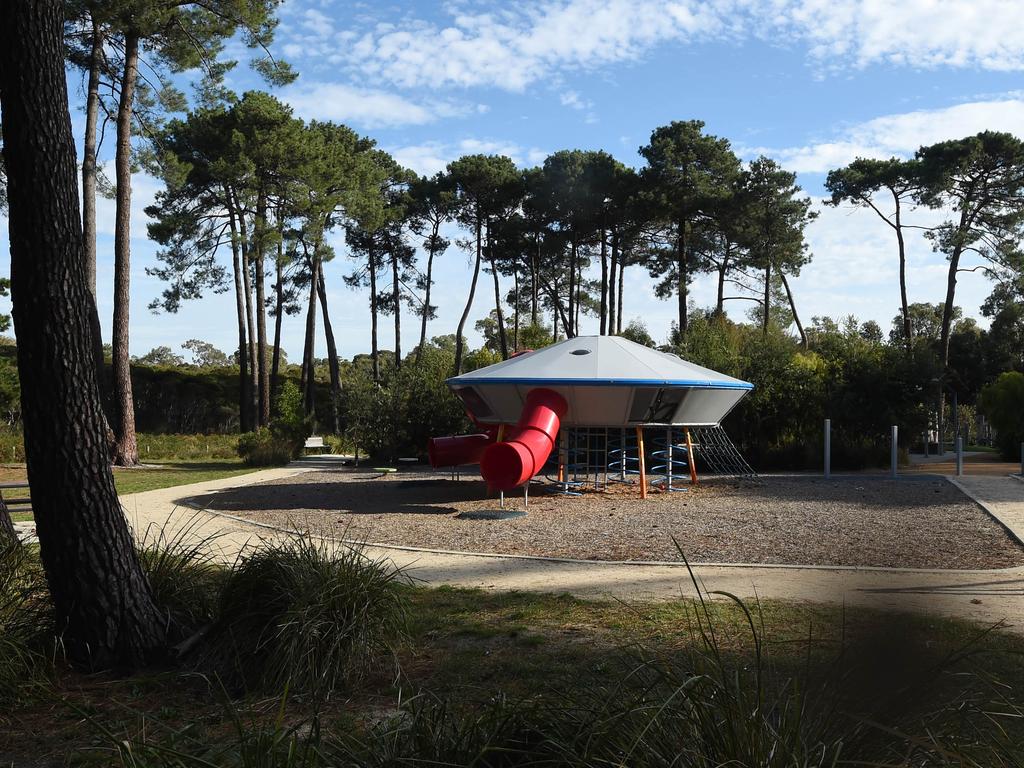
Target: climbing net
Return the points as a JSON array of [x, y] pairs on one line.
[[595, 457], [717, 455]]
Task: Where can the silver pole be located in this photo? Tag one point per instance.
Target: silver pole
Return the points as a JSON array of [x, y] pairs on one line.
[[828, 448], [894, 454], [526, 495], [501, 497], [959, 456], [668, 458]]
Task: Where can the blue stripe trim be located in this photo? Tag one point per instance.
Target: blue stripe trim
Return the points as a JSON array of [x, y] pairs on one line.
[[458, 381]]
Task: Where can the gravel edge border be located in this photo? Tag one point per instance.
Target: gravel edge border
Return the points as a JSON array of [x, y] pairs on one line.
[[628, 563]]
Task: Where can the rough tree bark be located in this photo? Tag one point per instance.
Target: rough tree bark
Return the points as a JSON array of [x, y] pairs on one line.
[[92, 111], [396, 301], [262, 363], [612, 266], [426, 297], [792, 306], [275, 365], [682, 277], [250, 323], [604, 282], [622, 282], [104, 606], [244, 397], [332, 353], [374, 346], [469, 302], [307, 378], [126, 449]]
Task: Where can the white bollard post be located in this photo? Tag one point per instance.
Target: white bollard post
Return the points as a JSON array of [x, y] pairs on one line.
[[894, 452], [959, 457], [828, 448]]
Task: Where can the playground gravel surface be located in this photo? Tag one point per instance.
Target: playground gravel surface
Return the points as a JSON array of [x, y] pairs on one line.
[[915, 522]]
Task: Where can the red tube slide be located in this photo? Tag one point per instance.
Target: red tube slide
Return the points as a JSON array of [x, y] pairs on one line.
[[511, 463], [458, 450]]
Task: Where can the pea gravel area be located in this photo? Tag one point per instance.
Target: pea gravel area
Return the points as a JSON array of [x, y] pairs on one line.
[[914, 522]]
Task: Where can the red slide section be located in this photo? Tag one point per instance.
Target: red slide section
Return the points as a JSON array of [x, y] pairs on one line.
[[458, 450], [511, 463]]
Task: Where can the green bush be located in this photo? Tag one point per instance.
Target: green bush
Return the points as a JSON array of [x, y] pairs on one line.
[[25, 622], [1002, 402], [283, 440], [183, 573], [305, 615], [264, 448]]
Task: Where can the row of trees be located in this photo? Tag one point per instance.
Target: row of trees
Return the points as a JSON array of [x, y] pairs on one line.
[[247, 178]]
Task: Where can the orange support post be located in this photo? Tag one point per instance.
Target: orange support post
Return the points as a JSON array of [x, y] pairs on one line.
[[643, 467], [689, 459]]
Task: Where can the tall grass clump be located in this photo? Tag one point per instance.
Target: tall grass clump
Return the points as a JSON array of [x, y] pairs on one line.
[[25, 622], [306, 614], [430, 731], [183, 572]]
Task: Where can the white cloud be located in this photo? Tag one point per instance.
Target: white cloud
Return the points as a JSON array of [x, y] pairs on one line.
[[516, 45], [988, 34], [899, 134], [513, 47], [366, 107], [433, 156]]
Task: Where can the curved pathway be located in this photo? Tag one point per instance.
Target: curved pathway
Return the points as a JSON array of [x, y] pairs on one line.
[[987, 596]]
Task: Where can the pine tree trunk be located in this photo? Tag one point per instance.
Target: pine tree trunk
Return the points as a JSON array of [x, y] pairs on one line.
[[469, 302], [515, 307], [262, 359], [332, 353], [612, 266], [426, 299], [908, 332], [396, 300], [723, 270], [570, 328], [683, 278], [126, 450], [6, 525], [374, 346], [604, 283], [766, 316], [308, 382], [102, 600], [502, 336], [275, 366], [244, 411], [92, 108], [792, 306], [622, 282], [250, 322], [92, 111]]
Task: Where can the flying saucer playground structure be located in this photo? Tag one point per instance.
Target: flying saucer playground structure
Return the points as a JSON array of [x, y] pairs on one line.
[[578, 413]]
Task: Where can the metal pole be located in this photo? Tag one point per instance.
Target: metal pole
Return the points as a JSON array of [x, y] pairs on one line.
[[959, 457], [894, 453], [1022, 459], [526, 495], [828, 448], [668, 458]]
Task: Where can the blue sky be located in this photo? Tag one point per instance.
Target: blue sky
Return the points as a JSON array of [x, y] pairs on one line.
[[812, 83]]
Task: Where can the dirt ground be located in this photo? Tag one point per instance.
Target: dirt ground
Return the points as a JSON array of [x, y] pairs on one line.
[[916, 522]]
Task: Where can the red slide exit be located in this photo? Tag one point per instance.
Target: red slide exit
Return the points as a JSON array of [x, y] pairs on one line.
[[511, 463]]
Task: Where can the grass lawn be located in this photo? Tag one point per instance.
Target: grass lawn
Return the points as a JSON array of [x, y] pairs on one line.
[[170, 473], [470, 647]]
